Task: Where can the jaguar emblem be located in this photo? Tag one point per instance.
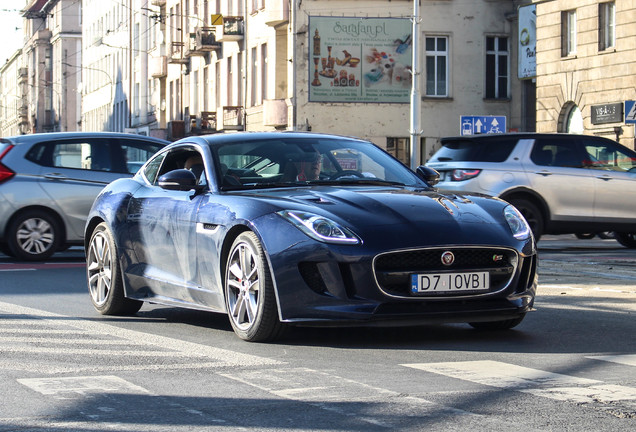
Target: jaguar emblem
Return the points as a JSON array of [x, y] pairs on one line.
[[448, 258]]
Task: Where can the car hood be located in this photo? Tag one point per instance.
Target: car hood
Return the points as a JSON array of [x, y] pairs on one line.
[[441, 215]]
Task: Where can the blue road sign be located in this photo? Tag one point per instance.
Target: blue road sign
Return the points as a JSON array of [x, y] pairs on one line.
[[474, 125], [630, 111]]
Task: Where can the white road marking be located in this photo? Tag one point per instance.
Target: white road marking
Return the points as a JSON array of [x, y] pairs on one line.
[[145, 345], [533, 381], [82, 385]]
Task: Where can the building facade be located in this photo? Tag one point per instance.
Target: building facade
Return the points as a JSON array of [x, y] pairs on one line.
[[172, 68], [585, 67], [13, 106]]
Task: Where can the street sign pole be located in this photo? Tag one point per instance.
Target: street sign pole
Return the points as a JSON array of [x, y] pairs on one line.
[[416, 100]]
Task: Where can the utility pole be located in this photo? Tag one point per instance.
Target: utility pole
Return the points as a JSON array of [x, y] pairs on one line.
[[416, 99]]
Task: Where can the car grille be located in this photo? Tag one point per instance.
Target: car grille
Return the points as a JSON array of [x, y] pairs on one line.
[[393, 270]]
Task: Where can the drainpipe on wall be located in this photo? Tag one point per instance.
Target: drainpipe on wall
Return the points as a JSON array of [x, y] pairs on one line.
[[416, 100]]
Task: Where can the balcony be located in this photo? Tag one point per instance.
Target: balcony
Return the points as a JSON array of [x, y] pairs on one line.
[[23, 112], [158, 2], [159, 66], [208, 120], [231, 118], [276, 12], [177, 53], [202, 41], [231, 30]]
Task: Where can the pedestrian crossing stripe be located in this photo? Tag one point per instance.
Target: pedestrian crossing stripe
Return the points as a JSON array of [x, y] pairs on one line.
[[532, 381]]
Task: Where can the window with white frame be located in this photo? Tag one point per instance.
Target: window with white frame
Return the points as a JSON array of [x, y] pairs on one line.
[[497, 67], [606, 25], [437, 66], [253, 77], [568, 33]]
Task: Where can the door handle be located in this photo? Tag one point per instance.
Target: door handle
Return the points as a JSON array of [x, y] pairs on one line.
[[544, 173], [604, 177], [55, 176]]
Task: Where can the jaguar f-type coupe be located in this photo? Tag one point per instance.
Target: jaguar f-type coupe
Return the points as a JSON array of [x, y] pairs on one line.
[[288, 228]]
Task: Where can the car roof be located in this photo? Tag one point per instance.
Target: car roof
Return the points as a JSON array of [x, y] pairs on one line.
[[515, 135], [36, 137]]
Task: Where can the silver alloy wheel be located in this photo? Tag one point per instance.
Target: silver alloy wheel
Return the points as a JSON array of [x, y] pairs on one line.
[[35, 235], [243, 286], [99, 268]]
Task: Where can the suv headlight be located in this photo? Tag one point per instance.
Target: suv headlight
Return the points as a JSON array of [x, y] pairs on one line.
[[517, 223], [320, 228]]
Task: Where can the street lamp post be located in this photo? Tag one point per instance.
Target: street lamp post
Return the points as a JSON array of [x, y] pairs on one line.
[[416, 100]]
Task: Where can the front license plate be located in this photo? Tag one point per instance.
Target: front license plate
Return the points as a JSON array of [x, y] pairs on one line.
[[449, 282]]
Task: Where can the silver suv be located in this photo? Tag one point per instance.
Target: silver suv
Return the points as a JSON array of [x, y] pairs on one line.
[[49, 181], [562, 183]]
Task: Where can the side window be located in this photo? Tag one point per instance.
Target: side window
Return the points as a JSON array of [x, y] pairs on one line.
[[87, 155], [610, 157], [184, 158], [557, 152], [151, 170], [134, 154]]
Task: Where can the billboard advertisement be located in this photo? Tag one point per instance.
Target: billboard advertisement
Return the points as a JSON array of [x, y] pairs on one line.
[[359, 60], [527, 41]]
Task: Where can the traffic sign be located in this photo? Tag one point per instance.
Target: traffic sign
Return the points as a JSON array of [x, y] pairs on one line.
[[475, 125], [630, 111]]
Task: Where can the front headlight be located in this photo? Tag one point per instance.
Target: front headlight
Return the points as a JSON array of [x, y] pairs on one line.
[[517, 223], [320, 228]]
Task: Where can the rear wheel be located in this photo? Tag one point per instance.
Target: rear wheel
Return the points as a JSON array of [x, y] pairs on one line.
[[105, 284], [34, 235], [533, 215], [249, 291], [498, 325], [626, 239]]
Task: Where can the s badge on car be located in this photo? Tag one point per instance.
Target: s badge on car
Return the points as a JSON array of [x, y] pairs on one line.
[[448, 258]]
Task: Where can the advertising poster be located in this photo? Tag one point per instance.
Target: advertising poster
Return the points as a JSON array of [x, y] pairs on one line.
[[527, 41], [359, 60]]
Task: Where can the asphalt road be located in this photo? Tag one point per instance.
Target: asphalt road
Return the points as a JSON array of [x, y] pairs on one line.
[[571, 365]]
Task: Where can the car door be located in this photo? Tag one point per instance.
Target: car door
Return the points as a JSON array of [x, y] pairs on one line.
[[560, 177], [73, 172], [614, 170], [162, 233]]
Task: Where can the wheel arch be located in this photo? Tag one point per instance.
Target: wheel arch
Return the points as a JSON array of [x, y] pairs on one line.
[[533, 197], [90, 227]]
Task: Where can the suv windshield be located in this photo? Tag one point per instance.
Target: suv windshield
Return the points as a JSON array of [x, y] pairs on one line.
[[475, 150]]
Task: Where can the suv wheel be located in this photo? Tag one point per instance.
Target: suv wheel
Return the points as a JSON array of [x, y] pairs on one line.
[[626, 239], [34, 235], [532, 214]]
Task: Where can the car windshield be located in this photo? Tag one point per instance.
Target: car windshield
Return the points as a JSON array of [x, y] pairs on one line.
[[308, 161]]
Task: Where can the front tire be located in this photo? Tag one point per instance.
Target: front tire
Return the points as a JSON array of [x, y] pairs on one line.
[[498, 325], [626, 239], [105, 283], [533, 215], [34, 235], [249, 291]]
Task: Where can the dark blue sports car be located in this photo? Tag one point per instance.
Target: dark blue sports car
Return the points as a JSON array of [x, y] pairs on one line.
[[286, 228]]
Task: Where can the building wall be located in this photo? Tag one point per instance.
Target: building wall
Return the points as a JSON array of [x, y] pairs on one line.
[[591, 76], [10, 97], [466, 24]]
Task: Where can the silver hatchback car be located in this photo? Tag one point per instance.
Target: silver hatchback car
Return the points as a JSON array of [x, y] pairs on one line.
[[561, 183], [49, 181]]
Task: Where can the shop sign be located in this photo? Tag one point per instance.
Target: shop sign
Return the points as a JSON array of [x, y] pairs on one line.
[[607, 113]]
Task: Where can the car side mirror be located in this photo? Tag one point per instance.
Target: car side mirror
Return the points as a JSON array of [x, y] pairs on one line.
[[428, 174], [179, 179]]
